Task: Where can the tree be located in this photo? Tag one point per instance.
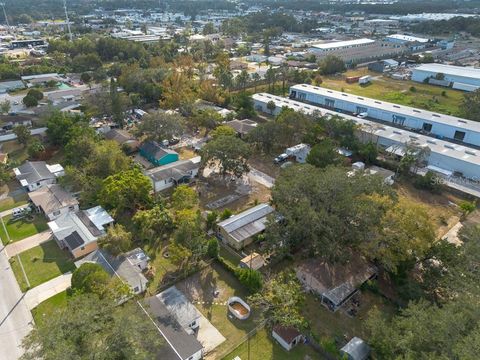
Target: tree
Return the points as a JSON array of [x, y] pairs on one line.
[[470, 106], [229, 153], [425, 331], [242, 80], [22, 133], [208, 119], [117, 240], [59, 125], [325, 211], [271, 77], [178, 91], [244, 106], [153, 224], [212, 248], [209, 28], [223, 130], [4, 174], [35, 148], [184, 197], [323, 154], [368, 152], [90, 278], [161, 126], [331, 64], [281, 301], [256, 79], [86, 77], [30, 101], [271, 106], [89, 327], [126, 191], [37, 94], [5, 106], [251, 279]]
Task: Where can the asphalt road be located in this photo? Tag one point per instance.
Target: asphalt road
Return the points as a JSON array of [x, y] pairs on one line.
[[15, 318]]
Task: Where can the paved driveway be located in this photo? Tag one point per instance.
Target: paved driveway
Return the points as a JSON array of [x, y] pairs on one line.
[[42, 292], [15, 317], [28, 243], [208, 335]]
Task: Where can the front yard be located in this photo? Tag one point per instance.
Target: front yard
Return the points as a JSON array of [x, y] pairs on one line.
[[44, 309], [22, 228], [41, 263]]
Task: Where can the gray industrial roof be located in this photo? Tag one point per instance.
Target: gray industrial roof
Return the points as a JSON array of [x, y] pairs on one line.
[[390, 107], [342, 44], [247, 223], [395, 135], [469, 72], [178, 341]]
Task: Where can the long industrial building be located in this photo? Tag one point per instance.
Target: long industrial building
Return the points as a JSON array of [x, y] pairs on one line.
[[459, 77], [427, 122], [445, 157]]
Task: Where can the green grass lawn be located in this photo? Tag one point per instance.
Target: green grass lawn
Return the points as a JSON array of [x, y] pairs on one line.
[[44, 309], [42, 263], [264, 347], [428, 97], [22, 228], [10, 203]]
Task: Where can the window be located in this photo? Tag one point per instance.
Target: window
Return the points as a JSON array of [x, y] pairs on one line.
[[56, 213], [427, 127], [361, 109], [302, 96], [330, 103], [459, 135], [400, 120]]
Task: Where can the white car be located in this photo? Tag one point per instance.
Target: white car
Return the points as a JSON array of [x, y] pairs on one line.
[[362, 115]]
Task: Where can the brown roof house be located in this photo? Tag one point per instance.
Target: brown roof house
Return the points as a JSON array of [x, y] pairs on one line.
[[124, 139], [242, 127], [334, 283], [287, 337], [53, 201], [79, 231]]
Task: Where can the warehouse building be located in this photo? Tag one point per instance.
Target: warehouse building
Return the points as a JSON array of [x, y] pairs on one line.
[[427, 122], [444, 158], [458, 77]]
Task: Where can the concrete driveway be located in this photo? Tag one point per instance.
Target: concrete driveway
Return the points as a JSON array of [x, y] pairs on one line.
[[42, 292], [208, 335], [28, 243], [15, 317], [261, 178]]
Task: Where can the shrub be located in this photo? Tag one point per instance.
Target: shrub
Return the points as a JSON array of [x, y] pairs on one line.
[[428, 182], [212, 248], [226, 214], [37, 94], [251, 279], [468, 207], [413, 89], [30, 101]]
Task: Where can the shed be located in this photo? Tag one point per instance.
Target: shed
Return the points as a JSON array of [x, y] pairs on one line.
[[253, 261], [356, 349], [287, 337]]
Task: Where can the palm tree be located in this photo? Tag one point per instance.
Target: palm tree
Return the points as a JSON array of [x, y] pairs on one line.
[[256, 78], [271, 76]]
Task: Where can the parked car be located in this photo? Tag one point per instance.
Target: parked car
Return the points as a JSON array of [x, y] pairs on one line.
[[362, 115], [173, 141], [280, 158], [20, 212]]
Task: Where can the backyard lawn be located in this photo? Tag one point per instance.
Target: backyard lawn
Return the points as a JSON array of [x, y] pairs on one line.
[[42, 263], [44, 309], [12, 195], [200, 287], [264, 347], [423, 96], [22, 228]]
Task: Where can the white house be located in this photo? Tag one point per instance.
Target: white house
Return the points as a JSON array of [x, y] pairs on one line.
[[287, 337], [173, 174]]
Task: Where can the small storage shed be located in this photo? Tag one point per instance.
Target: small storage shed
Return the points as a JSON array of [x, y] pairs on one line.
[[287, 337], [356, 349]]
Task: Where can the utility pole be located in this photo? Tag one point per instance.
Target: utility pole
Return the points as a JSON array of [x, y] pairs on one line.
[[68, 20], [6, 19]]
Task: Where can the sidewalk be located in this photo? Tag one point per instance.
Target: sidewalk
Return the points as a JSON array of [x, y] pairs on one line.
[[9, 211], [42, 292], [28, 243]]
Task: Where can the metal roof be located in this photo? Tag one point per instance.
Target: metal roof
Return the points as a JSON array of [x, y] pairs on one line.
[[399, 136], [408, 38], [356, 349], [342, 44], [469, 72], [390, 107], [178, 305]]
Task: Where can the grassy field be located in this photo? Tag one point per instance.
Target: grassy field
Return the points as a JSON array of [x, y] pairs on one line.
[[10, 203], [44, 309], [423, 96], [22, 228], [42, 263], [263, 347], [16, 152]]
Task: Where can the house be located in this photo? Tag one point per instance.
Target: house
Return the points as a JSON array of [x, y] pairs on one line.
[[183, 310], [41, 79], [334, 283], [10, 121], [242, 127], [253, 261], [385, 174], [299, 152], [178, 172], [123, 138], [178, 343], [355, 349], [156, 154], [128, 267], [53, 201], [239, 230], [287, 337], [79, 231], [36, 174], [7, 86]]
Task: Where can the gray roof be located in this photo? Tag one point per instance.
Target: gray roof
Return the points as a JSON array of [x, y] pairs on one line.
[[34, 171], [242, 126], [118, 266], [247, 223], [178, 305], [469, 72], [175, 170], [52, 197], [185, 345], [390, 107], [357, 349]]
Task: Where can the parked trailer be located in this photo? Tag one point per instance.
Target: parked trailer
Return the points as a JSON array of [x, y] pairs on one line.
[[365, 80]]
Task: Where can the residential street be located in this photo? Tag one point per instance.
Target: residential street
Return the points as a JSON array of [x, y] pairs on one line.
[[28, 243], [15, 317], [42, 292]]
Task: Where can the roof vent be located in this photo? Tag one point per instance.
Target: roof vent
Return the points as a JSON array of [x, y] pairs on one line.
[[470, 152]]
